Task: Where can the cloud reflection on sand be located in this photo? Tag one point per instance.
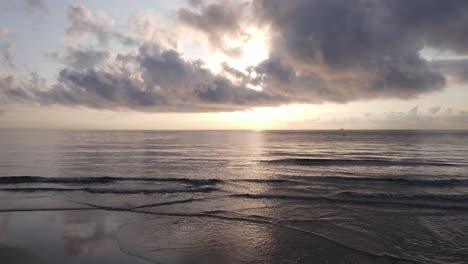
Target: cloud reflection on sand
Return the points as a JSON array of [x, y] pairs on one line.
[[88, 235]]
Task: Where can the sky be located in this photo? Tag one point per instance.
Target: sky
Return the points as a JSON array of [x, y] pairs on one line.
[[233, 64]]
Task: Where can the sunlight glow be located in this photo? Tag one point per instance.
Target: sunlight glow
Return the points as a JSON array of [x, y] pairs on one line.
[[255, 49], [264, 118]]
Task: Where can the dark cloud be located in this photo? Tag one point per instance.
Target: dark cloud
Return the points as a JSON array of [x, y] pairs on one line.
[[153, 79], [345, 50], [457, 69], [320, 51], [189, 85], [216, 21], [363, 49]]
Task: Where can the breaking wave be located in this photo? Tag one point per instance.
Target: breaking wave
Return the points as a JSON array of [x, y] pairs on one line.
[[286, 180], [355, 162]]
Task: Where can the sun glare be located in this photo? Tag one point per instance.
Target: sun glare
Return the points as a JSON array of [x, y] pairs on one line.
[[254, 50], [264, 118]]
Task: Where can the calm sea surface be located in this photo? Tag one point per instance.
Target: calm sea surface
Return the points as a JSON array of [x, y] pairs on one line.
[[234, 197]]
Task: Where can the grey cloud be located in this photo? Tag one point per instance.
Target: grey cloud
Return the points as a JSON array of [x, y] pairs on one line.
[[100, 89], [217, 20], [413, 112], [79, 58], [321, 51], [344, 50], [5, 43], [277, 69], [196, 3], [36, 5], [420, 121], [29, 6], [188, 82], [409, 116], [11, 90], [153, 79], [237, 74], [441, 24], [3, 31], [364, 49], [457, 69], [279, 77], [434, 110], [5, 56], [84, 22], [390, 120]]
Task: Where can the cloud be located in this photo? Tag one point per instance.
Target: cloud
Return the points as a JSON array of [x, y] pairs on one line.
[[5, 55], [86, 23], [342, 50], [423, 120], [3, 31], [152, 79], [196, 3], [413, 112], [218, 21], [456, 69], [434, 110], [80, 58], [32, 6], [320, 51], [363, 49], [412, 119], [29, 6], [6, 58], [146, 27]]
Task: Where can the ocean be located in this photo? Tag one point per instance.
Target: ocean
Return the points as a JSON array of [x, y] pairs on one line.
[[233, 197]]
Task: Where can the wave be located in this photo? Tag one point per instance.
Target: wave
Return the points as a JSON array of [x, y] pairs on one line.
[[355, 162], [419, 182], [287, 180], [113, 191], [438, 201], [383, 196], [101, 180], [403, 196]]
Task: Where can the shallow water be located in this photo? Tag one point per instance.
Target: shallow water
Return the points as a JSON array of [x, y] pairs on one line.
[[234, 197]]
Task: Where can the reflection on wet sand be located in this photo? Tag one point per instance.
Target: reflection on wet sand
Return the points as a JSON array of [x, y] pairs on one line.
[[201, 232], [62, 237], [87, 235]]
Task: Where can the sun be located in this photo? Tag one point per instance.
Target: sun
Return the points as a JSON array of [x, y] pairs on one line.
[[254, 49]]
